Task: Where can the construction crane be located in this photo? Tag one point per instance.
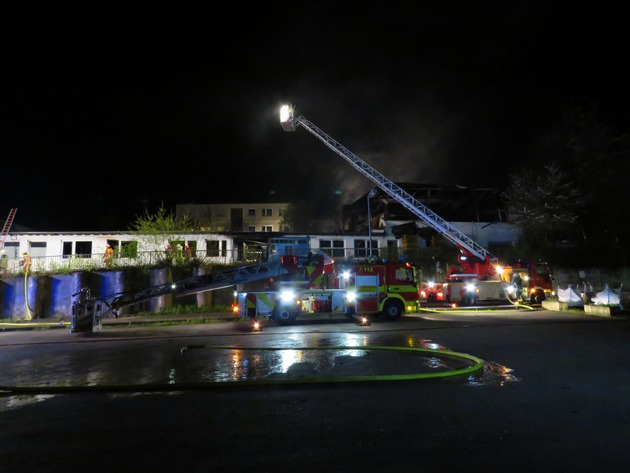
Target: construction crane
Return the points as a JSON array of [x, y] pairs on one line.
[[473, 257], [7, 226]]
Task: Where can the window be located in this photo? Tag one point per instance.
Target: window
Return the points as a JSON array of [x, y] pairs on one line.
[[66, 250], [251, 228], [267, 228], [392, 249], [216, 248], [360, 250], [334, 248], [404, 275], [251, 212], [38, 249], [83, 249], [192, 246], [373, 249], [212, 248], [129, 249], [267, 213], [12, 249]]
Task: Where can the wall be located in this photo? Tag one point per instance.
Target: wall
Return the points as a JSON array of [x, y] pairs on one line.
[[53, 295]]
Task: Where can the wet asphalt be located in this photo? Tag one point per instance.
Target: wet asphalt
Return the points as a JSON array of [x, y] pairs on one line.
[[553, 396]]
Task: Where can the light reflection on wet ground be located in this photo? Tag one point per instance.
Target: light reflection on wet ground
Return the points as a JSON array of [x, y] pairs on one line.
[[493, 373], [213, 364], [171, 362]]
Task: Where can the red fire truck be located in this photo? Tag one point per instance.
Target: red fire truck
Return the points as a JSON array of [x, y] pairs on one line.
[[386, 289]]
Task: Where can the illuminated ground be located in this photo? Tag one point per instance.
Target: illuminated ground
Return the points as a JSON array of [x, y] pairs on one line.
[[553, 396]]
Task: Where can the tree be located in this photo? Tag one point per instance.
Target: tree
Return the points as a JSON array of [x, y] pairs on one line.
[[592, 162], [157, 230], [545, 205], [598, 158]]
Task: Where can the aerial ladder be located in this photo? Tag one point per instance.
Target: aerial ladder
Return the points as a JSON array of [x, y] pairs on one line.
[[474, 259], [7, 226]]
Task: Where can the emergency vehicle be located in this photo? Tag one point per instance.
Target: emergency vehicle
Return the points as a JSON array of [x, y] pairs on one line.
[[382, 288], [478, 278], [535, 280]]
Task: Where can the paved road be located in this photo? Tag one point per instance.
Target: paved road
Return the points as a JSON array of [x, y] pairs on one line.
[[554, 396]]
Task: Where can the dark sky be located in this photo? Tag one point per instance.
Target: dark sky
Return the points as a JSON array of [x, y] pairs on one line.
[[113, 108]]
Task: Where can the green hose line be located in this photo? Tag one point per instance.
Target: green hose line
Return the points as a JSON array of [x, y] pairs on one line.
[[461, 310], [34, 324], [29, 316], [476, 366]]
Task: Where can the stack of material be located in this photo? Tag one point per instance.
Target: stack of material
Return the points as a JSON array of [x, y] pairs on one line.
[[570, 296], [607, 297]]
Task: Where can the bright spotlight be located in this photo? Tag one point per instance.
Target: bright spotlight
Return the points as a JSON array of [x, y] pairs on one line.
[[287, 296]]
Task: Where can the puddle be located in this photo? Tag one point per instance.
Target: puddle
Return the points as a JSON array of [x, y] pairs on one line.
[[15, 402], [228, 365], [493, 373]]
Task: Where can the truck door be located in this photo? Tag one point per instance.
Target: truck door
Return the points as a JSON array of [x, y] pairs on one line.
[[367, 293]]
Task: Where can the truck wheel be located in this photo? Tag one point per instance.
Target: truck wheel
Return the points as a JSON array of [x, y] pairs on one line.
[[537, 297], [393, 309], [284, 316], [350, 311], [468, 300]]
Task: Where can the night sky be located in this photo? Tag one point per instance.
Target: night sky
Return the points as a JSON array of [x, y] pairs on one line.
[[110, 109]]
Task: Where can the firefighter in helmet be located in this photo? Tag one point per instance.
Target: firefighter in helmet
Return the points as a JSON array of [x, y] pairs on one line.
[[109, 254], [27, 262]]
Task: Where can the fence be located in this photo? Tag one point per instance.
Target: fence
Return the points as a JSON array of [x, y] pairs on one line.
[[95, 262], [151, 259]]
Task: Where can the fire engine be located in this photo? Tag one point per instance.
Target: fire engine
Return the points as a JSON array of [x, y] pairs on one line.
[[478, 277], [534, 280], [319, 286]]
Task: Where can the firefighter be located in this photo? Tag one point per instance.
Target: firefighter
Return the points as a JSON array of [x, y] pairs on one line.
[[109, 254], [4, 261], [27, 262], [518, 286]]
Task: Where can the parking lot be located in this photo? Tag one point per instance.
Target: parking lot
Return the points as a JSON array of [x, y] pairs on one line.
[[553, 395]]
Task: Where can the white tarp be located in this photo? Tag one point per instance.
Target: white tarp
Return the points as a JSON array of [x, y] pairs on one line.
[[607, 297], [571, 296]]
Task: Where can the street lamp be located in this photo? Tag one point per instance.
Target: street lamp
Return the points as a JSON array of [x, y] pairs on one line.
[[369, 221]]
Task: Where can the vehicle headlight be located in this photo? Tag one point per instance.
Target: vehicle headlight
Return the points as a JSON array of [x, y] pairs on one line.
[[351, 296], [470, 288], [287, 296]]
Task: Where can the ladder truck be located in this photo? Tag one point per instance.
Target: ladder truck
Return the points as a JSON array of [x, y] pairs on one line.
[[89, 311], [320, 287], [480, 278]]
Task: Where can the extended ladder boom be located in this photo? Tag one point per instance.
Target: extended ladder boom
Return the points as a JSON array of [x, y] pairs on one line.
[[203, 283], [450, 232]]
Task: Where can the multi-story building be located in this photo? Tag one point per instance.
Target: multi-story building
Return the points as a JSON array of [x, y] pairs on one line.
[[236, 217]]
